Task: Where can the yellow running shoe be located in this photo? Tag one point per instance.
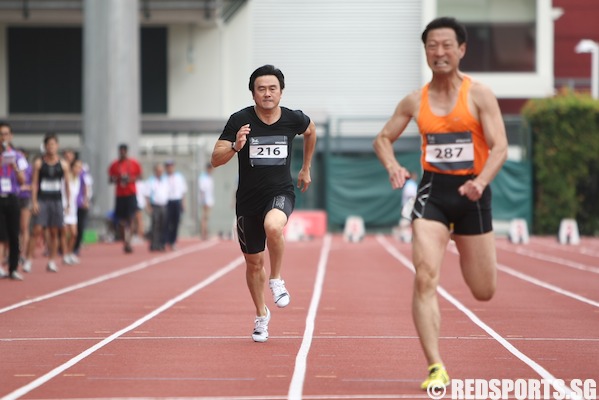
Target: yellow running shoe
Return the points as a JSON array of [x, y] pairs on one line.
[[437, 376]]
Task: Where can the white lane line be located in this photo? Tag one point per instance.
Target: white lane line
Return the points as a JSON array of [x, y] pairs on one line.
[[538, 282], [582, 249], [546, 285], [280, 397], [61, 368], [557, 384], [553, 259], [112, 275], [296, 386], [295, 337]]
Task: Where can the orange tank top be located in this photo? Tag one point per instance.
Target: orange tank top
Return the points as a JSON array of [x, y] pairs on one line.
[[454, 143]]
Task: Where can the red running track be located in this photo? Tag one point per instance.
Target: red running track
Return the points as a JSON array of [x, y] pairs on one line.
[[177, 325]]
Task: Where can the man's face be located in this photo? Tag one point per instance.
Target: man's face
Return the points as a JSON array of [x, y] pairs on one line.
[[51, 147], [267, 92], [122, 153], [5, 134], [77, 168], [443, 53], [69, 155]]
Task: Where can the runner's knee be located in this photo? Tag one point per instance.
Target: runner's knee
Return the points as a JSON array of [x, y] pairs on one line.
[[273, 229], [254, 262], [426, 281]]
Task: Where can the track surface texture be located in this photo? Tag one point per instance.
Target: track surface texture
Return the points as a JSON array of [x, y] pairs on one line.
[[177, 325]]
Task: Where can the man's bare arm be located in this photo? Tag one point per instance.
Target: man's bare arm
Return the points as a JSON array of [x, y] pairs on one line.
[[304, 179], [491, 120], [383, 143]]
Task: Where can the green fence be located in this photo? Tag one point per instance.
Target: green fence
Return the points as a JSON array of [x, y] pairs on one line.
[[357, 184]]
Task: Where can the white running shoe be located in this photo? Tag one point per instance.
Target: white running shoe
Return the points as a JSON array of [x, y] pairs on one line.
[[74, 258], [279, 293], [52, 267], [27, 266], [3, 273], [260, 333], [15, 276], [67, 260]]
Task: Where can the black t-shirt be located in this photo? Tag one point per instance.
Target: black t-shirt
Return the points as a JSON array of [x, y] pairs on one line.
[[50, 181], [265, 160]]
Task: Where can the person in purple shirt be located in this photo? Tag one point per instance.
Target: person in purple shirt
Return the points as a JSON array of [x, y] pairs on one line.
[[12, 164]]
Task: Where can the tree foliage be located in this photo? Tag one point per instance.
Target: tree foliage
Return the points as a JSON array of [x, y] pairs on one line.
[[565, 137]]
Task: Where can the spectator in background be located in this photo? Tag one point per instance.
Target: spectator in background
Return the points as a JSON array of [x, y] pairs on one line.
[[83, 203], [83, 197], [12, 164], [410, 190], [156, 199], [124, 173], [177, 188], [138, 220], [25, 206], [408, 196], [206, 192], [69, 236], [49, 171]]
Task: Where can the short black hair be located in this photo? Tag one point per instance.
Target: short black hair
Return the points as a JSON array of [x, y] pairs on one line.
[[267, 70], [446, 22], [123, 146], [50, 135], [4, 123]]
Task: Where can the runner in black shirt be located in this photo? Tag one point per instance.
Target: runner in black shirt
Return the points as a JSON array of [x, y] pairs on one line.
[[262, 137]]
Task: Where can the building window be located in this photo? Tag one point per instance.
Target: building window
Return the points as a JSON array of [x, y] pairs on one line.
[[153, 70], [45, 70], [501, 33]]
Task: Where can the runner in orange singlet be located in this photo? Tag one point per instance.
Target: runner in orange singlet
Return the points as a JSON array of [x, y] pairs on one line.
[[464, 146]]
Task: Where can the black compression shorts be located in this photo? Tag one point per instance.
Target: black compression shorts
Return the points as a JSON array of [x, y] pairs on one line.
[[250, 229], [438, 199]]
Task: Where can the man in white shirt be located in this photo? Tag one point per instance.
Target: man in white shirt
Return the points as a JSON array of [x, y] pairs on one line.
[[206, 189], [177, 188], [156, 194]]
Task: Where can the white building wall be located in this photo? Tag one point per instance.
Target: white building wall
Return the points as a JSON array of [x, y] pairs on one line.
[[237, 61], [194, 72], [341, 58], [209, 68]]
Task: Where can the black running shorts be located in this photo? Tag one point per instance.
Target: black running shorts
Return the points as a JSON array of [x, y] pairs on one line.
[[438, 199], [125, 207], [250, 228]]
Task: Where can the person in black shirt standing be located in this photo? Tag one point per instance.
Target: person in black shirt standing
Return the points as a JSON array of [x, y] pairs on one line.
[[261, 136], [49, 174]]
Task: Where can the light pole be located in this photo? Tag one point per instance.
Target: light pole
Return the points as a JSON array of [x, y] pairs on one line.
[[590, 46]]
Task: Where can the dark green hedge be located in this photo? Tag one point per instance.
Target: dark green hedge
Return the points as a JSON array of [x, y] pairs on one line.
[[565, 137]]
